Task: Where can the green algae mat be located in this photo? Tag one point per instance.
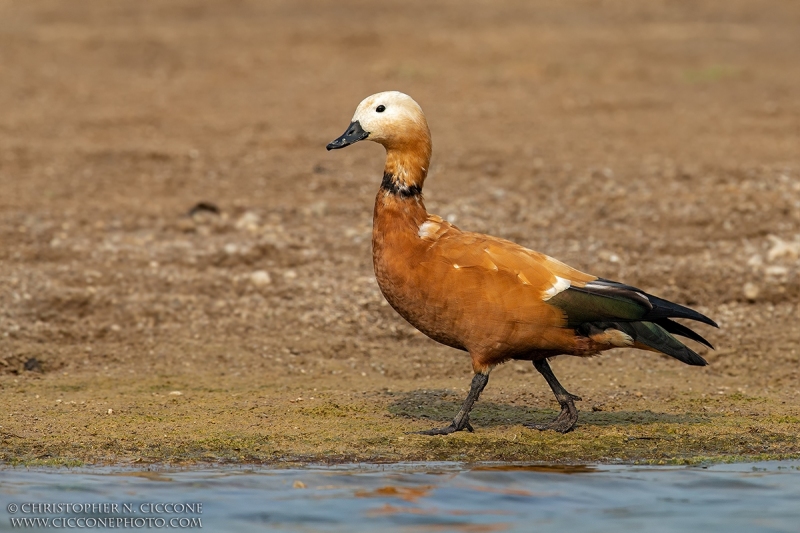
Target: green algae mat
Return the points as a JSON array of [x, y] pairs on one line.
[[77, 420]]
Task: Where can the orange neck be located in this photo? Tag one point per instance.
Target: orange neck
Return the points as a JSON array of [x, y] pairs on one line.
[[399, 209], [407, 161]]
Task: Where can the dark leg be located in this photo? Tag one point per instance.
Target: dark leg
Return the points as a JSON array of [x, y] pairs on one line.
[[461, 421], [569, 415]]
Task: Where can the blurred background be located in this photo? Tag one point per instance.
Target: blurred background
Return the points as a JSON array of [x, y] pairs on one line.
[[655, 143]]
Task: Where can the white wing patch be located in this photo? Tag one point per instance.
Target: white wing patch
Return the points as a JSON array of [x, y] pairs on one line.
[[560, 285], [428, 229]]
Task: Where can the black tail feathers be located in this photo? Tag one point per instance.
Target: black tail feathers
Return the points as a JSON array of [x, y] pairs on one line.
[[656, 336], [661, 309]]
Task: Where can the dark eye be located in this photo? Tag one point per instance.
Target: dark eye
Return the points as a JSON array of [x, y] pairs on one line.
[[381, 108]]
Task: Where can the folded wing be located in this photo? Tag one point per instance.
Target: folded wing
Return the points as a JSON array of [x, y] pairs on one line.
[[602, 304]]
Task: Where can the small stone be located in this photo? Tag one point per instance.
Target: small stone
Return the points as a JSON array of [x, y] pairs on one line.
[[299, 484], [609, 256], [290, 274], [231, 248], [248, 221], [175, 393], [318, 209], [259, 278], [776, 271], [111, 411], [597, 407], [751, 291], [782, 249], [755, 260]]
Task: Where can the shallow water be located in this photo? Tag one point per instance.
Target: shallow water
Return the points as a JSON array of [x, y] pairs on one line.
[[425, 497]]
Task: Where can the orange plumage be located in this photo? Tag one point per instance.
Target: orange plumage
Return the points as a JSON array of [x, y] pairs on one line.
[[491, 297]]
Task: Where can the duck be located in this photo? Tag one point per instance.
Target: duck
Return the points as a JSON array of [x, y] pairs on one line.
[[487, 296]]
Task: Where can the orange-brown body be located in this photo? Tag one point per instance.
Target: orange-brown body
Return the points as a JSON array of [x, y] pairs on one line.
[[489, 296], [471, 291]]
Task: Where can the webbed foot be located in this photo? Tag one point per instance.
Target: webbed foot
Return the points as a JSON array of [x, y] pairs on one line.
[[566, 419], [452, 428]]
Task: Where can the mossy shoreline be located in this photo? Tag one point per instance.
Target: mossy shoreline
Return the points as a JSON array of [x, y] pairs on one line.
[[182, 423]]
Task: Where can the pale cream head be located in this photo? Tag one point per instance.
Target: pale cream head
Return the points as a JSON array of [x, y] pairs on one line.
[[389, 116], [394, 120]]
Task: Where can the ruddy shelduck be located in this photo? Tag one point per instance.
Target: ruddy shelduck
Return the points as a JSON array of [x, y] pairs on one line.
[[489, 296]]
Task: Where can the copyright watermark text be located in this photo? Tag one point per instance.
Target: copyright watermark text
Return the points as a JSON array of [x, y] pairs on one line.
[[110, 515]]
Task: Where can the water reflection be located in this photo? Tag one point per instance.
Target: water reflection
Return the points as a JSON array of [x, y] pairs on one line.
[[441, 497]]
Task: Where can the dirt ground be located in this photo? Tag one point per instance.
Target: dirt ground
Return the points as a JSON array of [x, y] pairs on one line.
[[654, 143]]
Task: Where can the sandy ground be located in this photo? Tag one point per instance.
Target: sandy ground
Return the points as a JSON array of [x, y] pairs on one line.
[[653, 143]]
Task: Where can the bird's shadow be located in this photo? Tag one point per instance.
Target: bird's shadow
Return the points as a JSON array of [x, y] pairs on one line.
[[441, 406]]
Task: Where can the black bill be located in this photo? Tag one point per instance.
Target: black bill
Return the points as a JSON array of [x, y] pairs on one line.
[[353, 134]]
